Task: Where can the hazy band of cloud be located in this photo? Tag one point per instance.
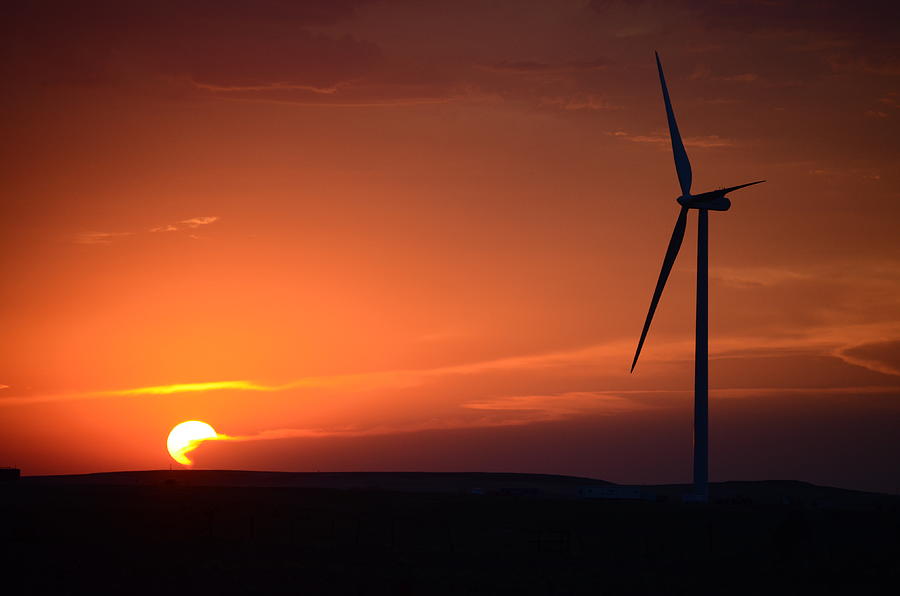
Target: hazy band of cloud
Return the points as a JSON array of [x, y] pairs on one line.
[[838, 341], [532, 409], [507, 411]]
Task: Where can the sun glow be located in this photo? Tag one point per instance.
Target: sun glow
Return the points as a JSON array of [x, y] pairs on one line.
[[186, 437]]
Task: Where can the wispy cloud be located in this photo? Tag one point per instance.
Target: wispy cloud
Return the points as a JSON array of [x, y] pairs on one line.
[[892, 99], [178, 226], [709, 141], [186, 224], [527, 409], [878, 356], [496, 412], [885, 66], [579, 102], [702, 72], [747, 77], [757, 276], [99, 237], [870, 174], [535, 67], [329, 90]]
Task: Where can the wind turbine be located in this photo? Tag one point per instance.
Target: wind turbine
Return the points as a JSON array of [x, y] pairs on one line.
[[704, 203]]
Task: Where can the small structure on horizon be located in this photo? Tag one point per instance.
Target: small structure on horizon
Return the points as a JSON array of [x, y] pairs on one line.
[[622, 493], [10, 474]]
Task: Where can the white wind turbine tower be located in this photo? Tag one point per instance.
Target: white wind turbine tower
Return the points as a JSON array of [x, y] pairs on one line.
[[704, 202]]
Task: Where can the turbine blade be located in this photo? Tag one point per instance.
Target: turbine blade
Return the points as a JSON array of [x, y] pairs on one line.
[[668, 261], [731, 188], [682, 163]]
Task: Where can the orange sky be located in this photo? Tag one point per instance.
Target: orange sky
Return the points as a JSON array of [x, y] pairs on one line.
[[424, 236]]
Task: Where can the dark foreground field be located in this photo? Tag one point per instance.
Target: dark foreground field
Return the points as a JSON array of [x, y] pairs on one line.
[[173, 533]]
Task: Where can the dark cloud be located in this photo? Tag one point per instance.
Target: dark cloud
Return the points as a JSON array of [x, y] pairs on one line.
[[883, 356], [276, 50], [173, 13], [865, 19], [232, 43], [529, 66], [861, 38], [272, 50]]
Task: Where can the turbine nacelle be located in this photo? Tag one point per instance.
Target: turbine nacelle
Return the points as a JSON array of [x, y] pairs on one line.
[[714, 203], [714, 200]]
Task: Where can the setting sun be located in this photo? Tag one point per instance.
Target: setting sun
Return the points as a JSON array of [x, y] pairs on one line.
[[185, 437]]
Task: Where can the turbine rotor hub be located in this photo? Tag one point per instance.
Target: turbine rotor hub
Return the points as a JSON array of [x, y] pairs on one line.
[[705, 201]]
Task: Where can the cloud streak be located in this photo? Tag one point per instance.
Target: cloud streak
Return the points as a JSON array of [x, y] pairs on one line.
[[193, 387], [535, 67], [705, 142], [184, 225], [99, 237]]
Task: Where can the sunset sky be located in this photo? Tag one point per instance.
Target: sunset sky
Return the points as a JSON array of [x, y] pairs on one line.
[[423, 235]]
